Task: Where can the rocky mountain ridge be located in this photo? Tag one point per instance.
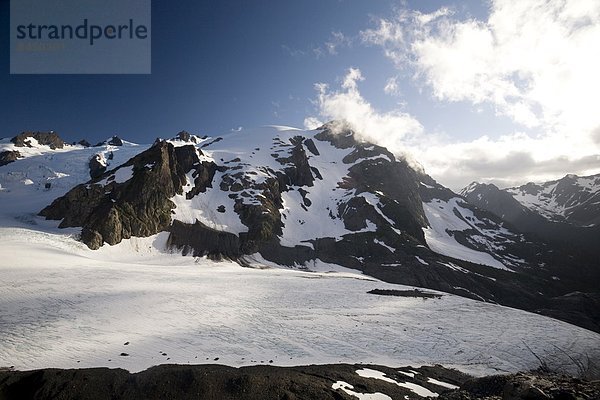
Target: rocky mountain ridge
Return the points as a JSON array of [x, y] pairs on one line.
[[296, 198], [562, 212]]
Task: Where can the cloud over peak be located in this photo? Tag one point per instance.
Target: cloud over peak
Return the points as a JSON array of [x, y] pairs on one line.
[[393, 129], [533, 61]]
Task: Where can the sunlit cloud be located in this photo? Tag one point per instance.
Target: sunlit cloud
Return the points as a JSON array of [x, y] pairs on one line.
[[535, 62], [391, 87], [393, 129], [506, 160]]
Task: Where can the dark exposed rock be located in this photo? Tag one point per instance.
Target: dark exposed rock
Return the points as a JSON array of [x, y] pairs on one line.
[[575, 230], [6, 157], [212, 141], [405, 293], [267, 382], [400, 199], [97, 166], [310, 145], [185, 137], [317, 173], [115, 141], [199, 240], [340, 137], [526, 386], [84, 143], [299, 172], [50, 139], [109, 211]]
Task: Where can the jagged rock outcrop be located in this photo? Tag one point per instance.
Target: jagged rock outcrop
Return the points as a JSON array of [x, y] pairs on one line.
[[185, 136], [50, 139], [296, 166], [97, 166], [84, 143], [6, 157], [130, 200], [115, 141]]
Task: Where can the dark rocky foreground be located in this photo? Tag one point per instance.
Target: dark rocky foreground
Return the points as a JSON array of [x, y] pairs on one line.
[[269, 382]]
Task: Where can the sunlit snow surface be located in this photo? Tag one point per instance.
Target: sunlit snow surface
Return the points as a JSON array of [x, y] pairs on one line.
[[63, 305], [442, 217]]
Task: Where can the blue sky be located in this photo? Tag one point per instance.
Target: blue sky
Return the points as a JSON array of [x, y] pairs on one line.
[[219, 65]]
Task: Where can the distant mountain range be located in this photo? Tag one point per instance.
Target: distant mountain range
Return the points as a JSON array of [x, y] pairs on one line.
[[317, 200], [564, 212]]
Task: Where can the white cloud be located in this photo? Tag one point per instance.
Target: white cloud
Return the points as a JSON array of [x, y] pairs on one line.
[[293, 52], [534, 61], [508, 160], [337, 40], [312, 123], [391, 86], [394, 129]]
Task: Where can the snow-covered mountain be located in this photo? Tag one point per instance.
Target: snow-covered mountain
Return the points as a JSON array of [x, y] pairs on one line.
[[301, 199], [572, 199], [562, 211]]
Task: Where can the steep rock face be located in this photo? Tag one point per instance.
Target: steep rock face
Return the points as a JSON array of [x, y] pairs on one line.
[[491, 198], [50, 139], [6, 157], [374, 170], [130, 200], [199, 240]]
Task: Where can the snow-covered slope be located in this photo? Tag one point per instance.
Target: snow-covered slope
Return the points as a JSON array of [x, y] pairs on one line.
[[253, 156], [572, 199], [287, 197], [449, 218], [43, 174], [134, 306], [565, 212]]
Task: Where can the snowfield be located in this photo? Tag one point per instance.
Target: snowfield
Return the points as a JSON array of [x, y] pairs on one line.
[[63, 305], [443, 218], [135, 305]]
